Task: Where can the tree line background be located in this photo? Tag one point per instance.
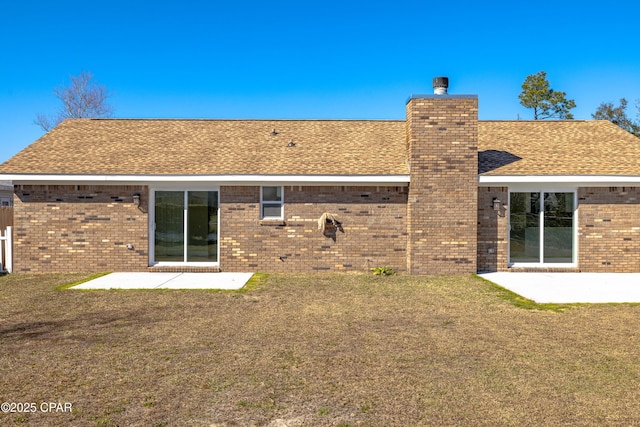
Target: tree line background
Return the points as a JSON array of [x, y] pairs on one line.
[[85, 98]]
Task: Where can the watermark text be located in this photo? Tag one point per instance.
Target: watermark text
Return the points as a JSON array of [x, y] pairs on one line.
[[27, 407]]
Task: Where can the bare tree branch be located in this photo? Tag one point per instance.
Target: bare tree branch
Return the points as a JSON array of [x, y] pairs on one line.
[[83, 98], [45, 122]]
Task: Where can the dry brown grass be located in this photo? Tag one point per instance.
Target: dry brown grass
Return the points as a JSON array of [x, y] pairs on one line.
[[314, 350]]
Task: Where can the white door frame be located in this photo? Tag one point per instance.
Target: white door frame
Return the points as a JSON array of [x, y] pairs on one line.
[[538, 189], [152, 225]]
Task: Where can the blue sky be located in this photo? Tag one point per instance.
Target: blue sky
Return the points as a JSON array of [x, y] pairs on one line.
[[309, 59]]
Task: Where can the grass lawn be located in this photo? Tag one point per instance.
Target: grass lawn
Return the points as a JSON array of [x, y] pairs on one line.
[[315, 350]]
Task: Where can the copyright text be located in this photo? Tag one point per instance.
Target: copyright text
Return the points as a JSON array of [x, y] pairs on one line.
[[25, 407]]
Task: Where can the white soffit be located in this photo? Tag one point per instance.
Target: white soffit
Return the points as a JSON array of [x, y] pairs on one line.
[[575, 180], [483, 180], [218, 179]]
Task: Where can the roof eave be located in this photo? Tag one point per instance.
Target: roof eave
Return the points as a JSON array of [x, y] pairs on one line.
[[551, 180], [53, 179]]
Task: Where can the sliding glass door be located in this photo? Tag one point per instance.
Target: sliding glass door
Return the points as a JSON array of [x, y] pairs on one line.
[[186, 226], [542, 227]]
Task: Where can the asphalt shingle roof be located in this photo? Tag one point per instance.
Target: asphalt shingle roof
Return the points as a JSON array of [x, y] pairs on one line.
[[571, 147], [322, 147], [216, 147]]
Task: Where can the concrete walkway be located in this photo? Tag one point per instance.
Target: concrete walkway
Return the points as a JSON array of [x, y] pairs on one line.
[[228, 281], [565, 288]]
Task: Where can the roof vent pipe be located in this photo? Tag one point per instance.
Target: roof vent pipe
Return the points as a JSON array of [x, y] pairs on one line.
[[440, 85]]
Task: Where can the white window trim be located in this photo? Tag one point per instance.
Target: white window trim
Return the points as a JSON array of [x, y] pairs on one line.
[[152, 226], [529, 189], [262, 202]]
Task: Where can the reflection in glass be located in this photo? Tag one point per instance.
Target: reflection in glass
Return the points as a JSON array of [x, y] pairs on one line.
[[272, 194], [524, 239], [169, 221], [558, 227], [203, 226]]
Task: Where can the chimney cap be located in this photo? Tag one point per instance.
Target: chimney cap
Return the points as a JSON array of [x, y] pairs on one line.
[[440, 85]]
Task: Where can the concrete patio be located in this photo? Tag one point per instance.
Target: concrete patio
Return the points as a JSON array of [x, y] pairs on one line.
[[561, 288], [565, 288], [142, 280]]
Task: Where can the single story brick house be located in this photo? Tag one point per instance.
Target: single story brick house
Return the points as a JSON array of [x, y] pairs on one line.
[[439, 192]]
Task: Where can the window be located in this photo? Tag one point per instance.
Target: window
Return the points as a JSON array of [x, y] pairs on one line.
[[271, 203]]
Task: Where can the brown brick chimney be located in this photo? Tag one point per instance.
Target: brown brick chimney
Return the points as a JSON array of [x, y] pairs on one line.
[[442, 143]]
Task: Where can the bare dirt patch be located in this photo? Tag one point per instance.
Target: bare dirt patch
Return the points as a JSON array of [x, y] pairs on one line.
[[314, 350]]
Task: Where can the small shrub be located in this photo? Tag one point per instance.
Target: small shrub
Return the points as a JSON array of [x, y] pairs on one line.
[[383, 271]]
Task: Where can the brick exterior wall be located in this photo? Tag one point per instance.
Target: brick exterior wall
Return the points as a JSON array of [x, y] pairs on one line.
[[69, 228], [86, 228], [442, 135], [493, 229], [609, 229], [373, 221]]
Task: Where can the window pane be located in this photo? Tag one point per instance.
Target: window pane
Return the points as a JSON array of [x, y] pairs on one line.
[[202, 226], [272, 194], [524, 238], [169, 221], [272, 210], [558, 227]]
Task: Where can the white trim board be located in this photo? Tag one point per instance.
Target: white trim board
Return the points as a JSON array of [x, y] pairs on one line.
[[575, 180], [374, 180], [48, 179]]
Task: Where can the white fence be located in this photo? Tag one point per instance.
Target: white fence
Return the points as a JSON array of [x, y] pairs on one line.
[[6, 252]]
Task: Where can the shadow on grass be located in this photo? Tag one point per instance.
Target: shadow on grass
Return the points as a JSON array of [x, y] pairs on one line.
[[70, 329]]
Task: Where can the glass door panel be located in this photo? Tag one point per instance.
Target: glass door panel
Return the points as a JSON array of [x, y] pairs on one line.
[[202, 223], [524, 238], [558, 228], [169, 226]]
